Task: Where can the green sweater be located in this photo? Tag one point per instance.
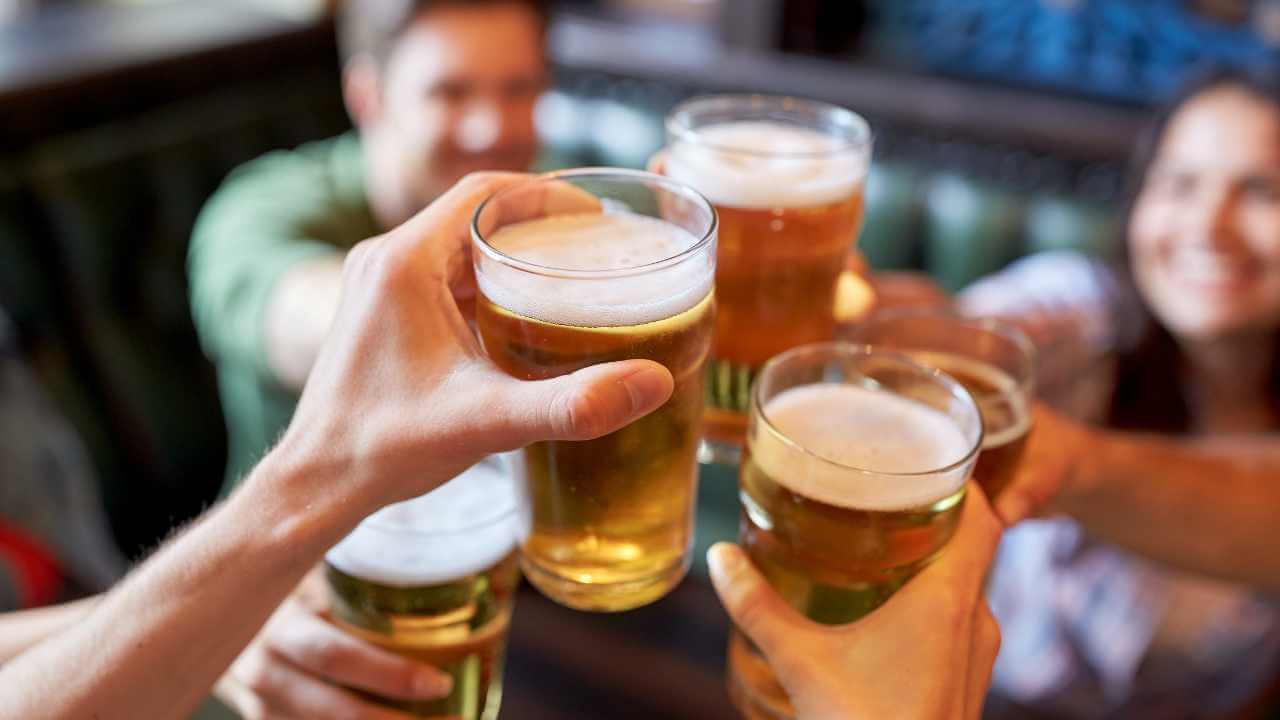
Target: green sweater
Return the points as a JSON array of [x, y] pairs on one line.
[[270, 214]]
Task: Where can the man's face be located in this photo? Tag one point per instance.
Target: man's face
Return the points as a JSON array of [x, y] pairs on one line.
[[457, 95]]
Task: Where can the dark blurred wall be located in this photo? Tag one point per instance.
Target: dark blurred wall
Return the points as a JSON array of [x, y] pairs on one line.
[[117, 123]]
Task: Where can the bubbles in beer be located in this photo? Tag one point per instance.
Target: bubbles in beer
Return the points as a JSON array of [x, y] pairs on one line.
[[755, 164], [376, 550], [596, 242], [884, 435]]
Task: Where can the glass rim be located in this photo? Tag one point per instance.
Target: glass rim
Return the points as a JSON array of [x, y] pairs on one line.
[[479, 240], [488, 520], [954, 388], [678, 126], [1005, 330]]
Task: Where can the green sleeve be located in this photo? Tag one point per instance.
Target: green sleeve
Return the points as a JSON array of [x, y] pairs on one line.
[[267, 217]]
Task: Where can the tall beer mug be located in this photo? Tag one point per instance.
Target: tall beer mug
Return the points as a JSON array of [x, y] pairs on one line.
[[434, 579], [584, 267], [853, 480], [786, 177]]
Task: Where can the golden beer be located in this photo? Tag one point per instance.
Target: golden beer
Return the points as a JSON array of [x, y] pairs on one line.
[[994, 361], [611, 519], [853, 480], [786, 178], [1006, 415], [434, 579]]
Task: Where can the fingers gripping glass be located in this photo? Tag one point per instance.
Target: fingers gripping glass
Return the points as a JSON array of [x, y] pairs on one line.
[[853, 480], [591, 266]]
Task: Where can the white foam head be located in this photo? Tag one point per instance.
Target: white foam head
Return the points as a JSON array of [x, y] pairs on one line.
[[609, 241], [755, 164], [461, 528], [883, 434]]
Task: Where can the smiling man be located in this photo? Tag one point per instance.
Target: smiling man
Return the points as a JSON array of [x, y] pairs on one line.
[[436, 89]]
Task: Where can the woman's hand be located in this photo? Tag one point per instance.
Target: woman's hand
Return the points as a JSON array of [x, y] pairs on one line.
[[1049, 466]]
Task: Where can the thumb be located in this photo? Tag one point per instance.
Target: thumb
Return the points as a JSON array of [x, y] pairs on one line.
[[755, 607], [589, 403], [1014, 505]]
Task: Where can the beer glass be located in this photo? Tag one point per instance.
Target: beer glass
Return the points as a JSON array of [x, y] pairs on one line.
[[993, 360], [853, 479], [591, 266], [434, 579], [786, 177]]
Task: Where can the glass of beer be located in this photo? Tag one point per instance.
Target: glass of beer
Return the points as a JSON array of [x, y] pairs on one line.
[[853, 479], [993, 360], [590, 266], [786, 177], [434, 579]]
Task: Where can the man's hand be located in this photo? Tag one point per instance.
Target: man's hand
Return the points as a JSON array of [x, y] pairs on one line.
[[926, 653], [401, 398], [297, 666], [399, 401]]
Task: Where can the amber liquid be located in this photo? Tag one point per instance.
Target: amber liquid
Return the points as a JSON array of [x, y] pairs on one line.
[[458, 627], [1006, 419], [776, 276], [612, 518], [834, 564]]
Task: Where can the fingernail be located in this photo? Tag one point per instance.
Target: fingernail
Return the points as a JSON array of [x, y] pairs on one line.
[[648, 388], [721, 558], [432, 684]]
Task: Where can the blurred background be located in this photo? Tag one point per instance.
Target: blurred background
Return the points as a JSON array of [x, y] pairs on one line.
[[1002, 128]]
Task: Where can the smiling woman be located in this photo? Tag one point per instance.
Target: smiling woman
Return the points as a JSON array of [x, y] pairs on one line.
[[1205, 233], [1202, 253]]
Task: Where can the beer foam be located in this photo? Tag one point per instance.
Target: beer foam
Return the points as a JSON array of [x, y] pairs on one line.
[[733, 166], [883, 434], [425, 541], [596, 242], [1005, 399]]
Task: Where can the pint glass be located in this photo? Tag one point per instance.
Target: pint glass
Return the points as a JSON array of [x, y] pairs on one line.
[[853, 479], [786, 177], [993, 360], [591, 266], [433, 579]]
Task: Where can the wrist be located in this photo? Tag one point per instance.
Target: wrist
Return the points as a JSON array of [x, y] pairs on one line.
[[1081, 475], [299, 501]]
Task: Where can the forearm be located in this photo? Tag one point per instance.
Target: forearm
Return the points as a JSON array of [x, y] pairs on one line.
[[155, 645], [299, 311], [1211, 506], [22, 630]]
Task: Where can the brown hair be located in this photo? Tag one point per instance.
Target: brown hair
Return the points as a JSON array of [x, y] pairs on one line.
[[371, 27], [1148, 394]]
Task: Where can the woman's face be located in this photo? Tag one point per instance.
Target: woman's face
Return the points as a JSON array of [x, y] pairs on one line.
[[1204, 236]]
